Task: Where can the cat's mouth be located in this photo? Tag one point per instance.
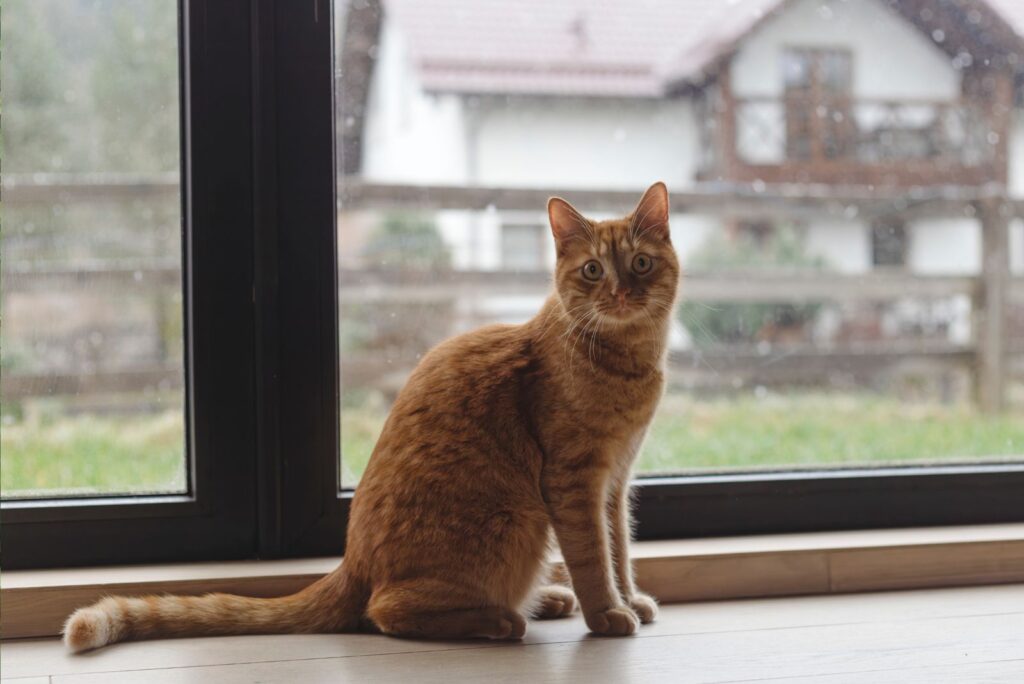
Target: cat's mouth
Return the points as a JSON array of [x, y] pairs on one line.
[[621, 310]]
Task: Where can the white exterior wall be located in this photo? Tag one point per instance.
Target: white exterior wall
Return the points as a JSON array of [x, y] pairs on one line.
[[410, 136], [844, 245], [1015, 172], [586, 143], [891, 58], [944, 246]]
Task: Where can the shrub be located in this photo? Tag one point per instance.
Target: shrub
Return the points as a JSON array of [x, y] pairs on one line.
[[711, 323]]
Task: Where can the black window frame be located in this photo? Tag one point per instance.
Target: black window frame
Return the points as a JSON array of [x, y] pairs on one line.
[[216, 519], [260, 245]]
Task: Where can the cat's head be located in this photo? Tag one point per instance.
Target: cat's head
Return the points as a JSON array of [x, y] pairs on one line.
[[623, 270]]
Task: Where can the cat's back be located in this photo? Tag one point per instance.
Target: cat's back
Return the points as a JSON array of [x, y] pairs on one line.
[[474, 370], [465, 391]]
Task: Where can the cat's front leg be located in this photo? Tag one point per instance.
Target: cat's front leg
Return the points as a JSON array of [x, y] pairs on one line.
[[578, 510], [645, 607]]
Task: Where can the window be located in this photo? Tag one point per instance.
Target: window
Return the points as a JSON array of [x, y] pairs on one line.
[[889, 244], [371, 185], [92, 293], [790, 360], [127, 291], [818, 86]]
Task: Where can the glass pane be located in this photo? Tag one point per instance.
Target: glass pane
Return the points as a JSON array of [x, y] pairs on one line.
[[835, 72], [836, 324], [796, 69], [91, 291]]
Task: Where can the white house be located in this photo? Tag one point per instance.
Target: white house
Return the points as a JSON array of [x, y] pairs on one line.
[[596, 94]]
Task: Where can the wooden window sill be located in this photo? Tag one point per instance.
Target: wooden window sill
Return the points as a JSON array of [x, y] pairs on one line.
[[36, 602]]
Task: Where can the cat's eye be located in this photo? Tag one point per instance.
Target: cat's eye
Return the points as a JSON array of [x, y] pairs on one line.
[[592, 270], [642, 263]]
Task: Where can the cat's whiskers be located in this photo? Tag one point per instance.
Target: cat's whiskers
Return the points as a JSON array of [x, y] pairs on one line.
[[561, 314], [593, 338], [651, 326], [574, 322], [583, 334], [589, 318], [569, 354]]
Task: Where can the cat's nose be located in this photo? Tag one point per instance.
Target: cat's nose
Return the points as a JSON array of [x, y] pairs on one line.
[[620, 294]]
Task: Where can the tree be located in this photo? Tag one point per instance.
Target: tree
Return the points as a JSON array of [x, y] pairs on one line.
[[738, 323], [135, 87], [32, 91], [408, 242]]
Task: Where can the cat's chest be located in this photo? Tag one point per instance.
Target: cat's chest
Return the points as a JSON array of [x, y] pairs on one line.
[[622, 404]]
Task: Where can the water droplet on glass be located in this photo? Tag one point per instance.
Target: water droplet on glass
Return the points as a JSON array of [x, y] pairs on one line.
[[938, 35]]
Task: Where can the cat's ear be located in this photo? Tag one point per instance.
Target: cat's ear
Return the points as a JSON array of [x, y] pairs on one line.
[[566, 222], [650, 218]]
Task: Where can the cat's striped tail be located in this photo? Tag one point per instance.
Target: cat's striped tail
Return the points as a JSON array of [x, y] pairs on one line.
[[334, 603]]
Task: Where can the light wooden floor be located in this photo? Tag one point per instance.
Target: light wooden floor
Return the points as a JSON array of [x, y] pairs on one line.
[[939, 635]]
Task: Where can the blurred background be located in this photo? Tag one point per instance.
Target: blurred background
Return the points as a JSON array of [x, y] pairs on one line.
[[847, 179]]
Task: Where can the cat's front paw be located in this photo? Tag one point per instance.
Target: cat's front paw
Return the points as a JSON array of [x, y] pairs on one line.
[[645, 607], [618, 621]]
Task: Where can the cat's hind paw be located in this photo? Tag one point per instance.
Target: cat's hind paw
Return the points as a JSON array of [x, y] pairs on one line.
[[554, 602]]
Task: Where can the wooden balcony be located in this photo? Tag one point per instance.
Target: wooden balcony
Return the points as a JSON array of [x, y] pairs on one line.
[[845, 141]]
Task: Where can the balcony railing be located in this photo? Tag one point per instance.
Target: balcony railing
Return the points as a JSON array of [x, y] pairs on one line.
[[863, 141]]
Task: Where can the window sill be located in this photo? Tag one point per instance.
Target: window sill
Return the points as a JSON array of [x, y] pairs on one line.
[[36, 602]]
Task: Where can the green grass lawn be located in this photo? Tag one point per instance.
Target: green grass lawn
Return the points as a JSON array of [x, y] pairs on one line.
[[86, 455], [144, 453]]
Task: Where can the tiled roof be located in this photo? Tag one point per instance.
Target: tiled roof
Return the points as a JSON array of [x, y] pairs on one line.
[[608, 48]]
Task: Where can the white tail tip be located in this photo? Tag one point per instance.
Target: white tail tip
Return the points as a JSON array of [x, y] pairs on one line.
[[87, 628]]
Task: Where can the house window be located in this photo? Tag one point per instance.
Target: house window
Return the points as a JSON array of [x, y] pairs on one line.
[[818, 87], [523, 246], [889, 244]]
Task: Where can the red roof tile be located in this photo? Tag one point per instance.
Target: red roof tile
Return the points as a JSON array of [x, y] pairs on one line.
[[609, 48]]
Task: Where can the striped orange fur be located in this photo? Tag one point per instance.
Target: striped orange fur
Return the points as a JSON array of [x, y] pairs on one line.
[[500, 437]]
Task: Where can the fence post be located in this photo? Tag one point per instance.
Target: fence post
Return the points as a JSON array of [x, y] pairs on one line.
[[993, 296]]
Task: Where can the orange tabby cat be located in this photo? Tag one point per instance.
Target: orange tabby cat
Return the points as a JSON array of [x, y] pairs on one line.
[[500, 436]]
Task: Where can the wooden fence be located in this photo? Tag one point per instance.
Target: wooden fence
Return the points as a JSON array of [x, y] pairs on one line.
[[991, 356]]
